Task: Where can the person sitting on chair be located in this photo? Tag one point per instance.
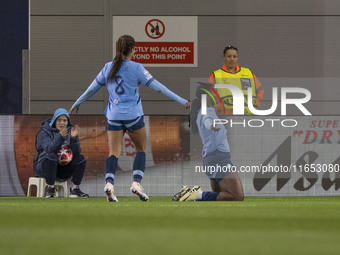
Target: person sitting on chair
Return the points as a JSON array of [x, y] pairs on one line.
[[58, 157]]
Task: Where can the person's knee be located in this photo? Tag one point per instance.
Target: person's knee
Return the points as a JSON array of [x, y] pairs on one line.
[[239, 196], [79, 165], [79, 159], [231, 196], [115, 153], [82, 158]]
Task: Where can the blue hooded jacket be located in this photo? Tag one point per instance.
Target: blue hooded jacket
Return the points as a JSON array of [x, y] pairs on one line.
[[59, 112], [49, 140]]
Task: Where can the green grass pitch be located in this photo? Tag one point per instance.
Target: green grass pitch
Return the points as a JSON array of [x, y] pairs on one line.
[[284, 225]]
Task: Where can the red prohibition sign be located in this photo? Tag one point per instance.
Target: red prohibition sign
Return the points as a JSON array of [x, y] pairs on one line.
[[154, 30]]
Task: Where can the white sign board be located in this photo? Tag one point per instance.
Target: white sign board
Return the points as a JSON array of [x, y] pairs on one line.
[[161, 41]]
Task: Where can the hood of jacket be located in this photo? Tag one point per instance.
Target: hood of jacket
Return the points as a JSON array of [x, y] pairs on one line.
[[57, 113]]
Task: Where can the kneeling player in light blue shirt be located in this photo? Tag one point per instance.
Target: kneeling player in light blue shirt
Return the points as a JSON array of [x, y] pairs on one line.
[[225, 183]]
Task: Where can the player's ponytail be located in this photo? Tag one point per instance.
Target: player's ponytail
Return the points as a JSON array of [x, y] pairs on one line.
[[125, 44]]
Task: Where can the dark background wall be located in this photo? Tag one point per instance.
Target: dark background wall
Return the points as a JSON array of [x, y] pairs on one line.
[[13, 39]]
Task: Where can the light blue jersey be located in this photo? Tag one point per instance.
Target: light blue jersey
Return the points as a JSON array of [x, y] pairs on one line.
[[212, 140], [124, 99]]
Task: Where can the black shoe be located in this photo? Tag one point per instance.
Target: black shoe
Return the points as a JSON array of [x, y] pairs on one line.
[[77, 193], [50, 192]]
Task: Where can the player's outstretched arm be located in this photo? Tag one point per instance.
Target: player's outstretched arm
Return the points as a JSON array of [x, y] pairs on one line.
[[156, 85], [72, 109], [91, 90]]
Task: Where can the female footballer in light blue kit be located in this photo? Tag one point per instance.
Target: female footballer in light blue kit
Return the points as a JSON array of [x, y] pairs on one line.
[[226, 185], [124, 111]]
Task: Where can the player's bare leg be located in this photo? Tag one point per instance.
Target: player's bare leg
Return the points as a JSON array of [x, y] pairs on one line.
[[115, 142], [115, 147], [215, 186], [139, 139], [229, 188]]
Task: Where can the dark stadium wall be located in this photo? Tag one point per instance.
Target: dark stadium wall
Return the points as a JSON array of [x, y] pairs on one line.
[[13, 39]]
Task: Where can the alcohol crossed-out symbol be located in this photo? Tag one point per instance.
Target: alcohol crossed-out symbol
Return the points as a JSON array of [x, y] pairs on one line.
[[154, 28]]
